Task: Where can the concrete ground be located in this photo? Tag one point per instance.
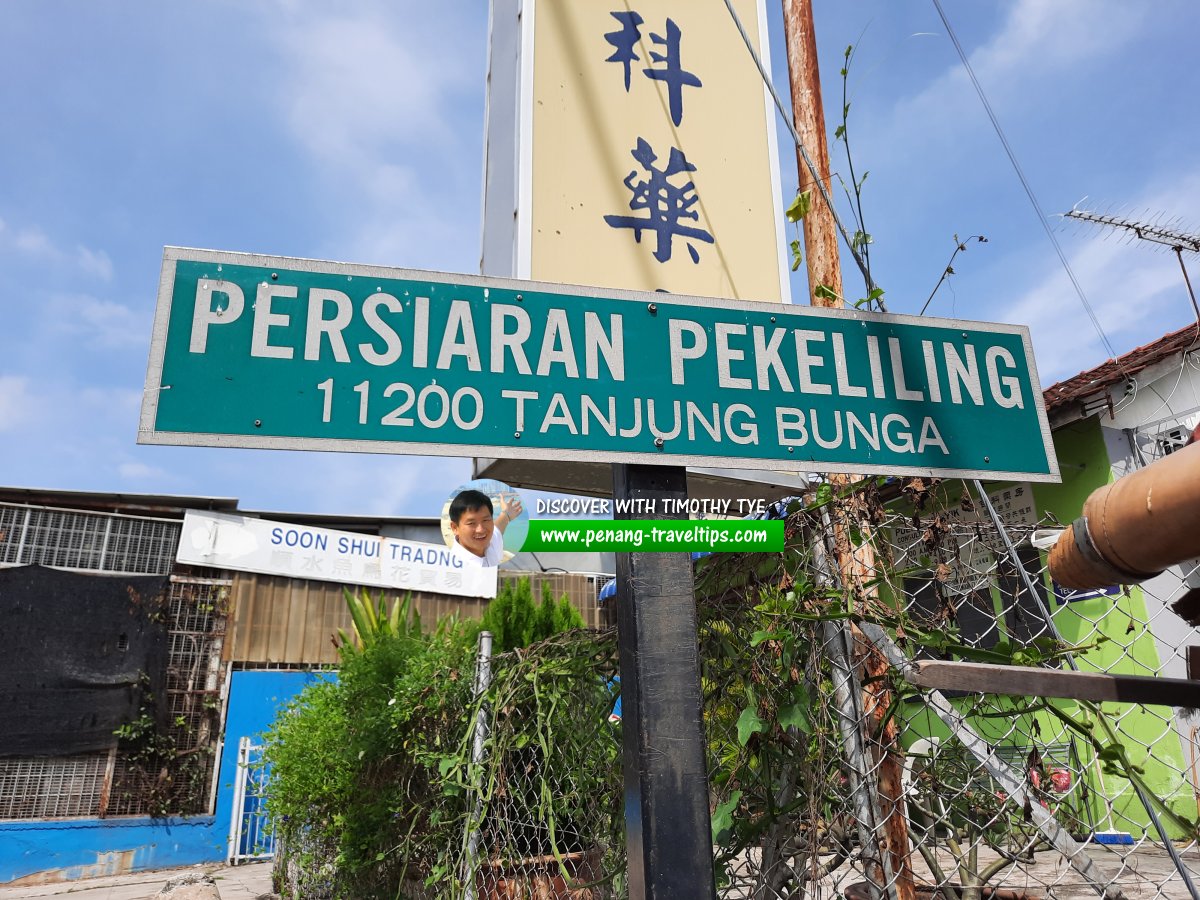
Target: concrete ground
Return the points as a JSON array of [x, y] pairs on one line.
[[245, 882], [1144, 872]]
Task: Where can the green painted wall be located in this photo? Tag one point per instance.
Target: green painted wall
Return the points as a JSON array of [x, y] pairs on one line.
[[1130, 648]]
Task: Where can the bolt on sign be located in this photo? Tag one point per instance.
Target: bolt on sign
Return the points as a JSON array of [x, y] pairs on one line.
[[256, 351], [636, 143]]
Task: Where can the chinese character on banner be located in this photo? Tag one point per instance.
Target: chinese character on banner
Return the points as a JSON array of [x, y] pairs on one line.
[[667, 199], [672, 74], [666, 204], [625, 40]]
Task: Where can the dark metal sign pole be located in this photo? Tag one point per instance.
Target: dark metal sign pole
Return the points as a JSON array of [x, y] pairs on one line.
[[668, 829]]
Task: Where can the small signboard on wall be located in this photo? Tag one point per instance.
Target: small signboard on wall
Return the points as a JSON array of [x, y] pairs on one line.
[[1070, 595]]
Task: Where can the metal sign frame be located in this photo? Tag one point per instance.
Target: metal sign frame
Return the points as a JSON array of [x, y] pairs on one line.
[[148, 433]]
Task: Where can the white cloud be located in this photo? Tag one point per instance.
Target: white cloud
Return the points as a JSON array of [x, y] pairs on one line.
[[16, 401], [386, 485], [73, 435], [113, 401], [1038, 40], [31, 242], [1065, 339], [374, 97], [141, 472], [1054, 34], [94, 262], [103, 323], [360, 85], [1137, 294]]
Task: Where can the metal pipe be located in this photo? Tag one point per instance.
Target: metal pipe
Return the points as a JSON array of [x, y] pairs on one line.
[[1192, 294], [847, 693], [1021, 572], [1135, 527], [483, 679]]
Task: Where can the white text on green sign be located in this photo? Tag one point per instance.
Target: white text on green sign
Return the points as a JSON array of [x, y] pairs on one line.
[[270, 352]]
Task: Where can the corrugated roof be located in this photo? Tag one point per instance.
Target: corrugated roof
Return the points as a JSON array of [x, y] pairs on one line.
[[115, 501], [174, 505], [1094, 382]]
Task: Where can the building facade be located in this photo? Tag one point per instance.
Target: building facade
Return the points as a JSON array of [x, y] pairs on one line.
[[228, 650]]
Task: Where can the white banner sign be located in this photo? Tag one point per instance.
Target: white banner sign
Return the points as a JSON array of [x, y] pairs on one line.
[[227, 541]]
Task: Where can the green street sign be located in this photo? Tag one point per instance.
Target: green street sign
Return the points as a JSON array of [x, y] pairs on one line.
[[271, 352]]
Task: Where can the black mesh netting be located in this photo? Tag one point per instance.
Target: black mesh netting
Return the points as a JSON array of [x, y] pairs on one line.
[[77, 655]]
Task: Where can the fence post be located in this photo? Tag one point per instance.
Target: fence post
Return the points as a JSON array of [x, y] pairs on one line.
[[236, 821], [483, 679], [847, 693]]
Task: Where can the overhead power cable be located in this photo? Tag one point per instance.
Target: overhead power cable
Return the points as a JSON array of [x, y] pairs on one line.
[[1012, 158]]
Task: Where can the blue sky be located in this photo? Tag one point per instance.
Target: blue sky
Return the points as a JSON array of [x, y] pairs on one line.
[[354, 132]]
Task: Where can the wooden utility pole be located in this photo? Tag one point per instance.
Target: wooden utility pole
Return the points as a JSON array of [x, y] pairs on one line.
[[820, 230], [856, 564]]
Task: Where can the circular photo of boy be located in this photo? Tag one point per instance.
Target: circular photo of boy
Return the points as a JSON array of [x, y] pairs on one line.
[[484, 522]]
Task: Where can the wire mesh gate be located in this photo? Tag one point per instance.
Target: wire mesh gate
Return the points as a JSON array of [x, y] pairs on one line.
[[815, 755]]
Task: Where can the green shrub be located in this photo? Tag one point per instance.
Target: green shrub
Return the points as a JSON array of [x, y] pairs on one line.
[[516, 621], [354, 762], [368, 769]]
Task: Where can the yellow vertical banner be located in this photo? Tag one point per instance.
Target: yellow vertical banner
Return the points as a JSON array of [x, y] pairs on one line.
[[648, 151]]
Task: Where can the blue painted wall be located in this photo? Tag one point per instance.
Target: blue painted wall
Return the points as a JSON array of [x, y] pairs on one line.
[[68, 849]]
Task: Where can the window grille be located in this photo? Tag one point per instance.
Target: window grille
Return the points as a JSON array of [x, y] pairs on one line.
[[1172, 440], [1154, 440], [87, 541], [600, 582], [52, 788]]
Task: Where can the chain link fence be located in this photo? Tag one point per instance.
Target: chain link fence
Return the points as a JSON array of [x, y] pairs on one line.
[[546, 811], [831, 774]]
